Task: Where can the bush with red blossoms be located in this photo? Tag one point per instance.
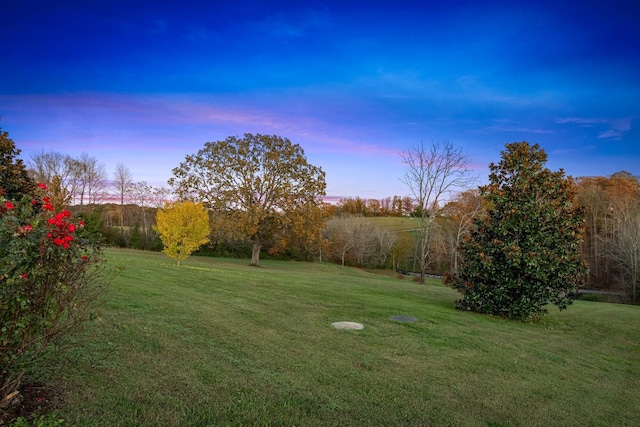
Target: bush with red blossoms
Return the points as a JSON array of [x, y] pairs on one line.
[[50, 275]]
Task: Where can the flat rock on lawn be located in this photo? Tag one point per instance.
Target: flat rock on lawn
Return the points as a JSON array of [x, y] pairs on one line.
[[348, 325]]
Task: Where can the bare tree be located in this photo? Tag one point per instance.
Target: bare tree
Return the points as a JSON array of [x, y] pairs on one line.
[[89, 177], [142, 196], [359, 239], [384, 240], [122, 182], [462, 210], [160, 196], [624, 242], [433, 172], [349, 235], [81, 178], [46, 165]]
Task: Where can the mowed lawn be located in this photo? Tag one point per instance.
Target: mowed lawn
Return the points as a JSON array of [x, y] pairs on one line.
[[216, 342]]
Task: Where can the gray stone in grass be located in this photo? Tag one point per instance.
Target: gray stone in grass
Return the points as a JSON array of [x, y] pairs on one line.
[[406, 319], [348, 325]]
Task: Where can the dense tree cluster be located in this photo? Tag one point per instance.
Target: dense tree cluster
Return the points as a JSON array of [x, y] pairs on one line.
[[123, 211], [395, 206], [612, 237]]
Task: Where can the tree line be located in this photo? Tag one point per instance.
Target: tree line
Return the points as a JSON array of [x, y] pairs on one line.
[[124, 211]]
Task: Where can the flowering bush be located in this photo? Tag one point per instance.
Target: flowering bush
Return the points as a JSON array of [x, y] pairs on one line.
[[50, 273]]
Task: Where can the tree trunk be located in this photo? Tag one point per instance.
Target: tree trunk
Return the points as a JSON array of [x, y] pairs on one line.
[[255, 254]]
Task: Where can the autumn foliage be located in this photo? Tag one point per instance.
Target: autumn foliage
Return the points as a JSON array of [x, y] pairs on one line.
[[183, 228], [255, 187], [524, 254]]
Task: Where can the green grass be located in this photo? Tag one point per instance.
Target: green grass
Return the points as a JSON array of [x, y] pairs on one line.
[[216, 342], [396, 223]]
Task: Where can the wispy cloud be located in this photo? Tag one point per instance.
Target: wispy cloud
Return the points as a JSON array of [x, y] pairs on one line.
[[617, 131], [511, 126], [617, 127], [159, 121], [521, 130], [580, 121]]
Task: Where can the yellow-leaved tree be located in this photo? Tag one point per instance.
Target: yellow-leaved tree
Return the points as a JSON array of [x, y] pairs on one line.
[[183, 228]]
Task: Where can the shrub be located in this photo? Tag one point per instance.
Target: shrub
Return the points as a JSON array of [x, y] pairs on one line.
[[50, 273]]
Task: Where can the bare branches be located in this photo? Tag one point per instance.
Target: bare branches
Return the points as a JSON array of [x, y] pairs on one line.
[[433, 172]]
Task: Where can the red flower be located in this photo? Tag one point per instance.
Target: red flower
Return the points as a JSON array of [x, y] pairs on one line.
[[24, 275], [81, 223], [72, 228], [28, 228], [9, 205], [43, 186], [47, 204], [84, 258]]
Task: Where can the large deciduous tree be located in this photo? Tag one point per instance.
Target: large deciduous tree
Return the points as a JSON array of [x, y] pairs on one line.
[[254, 186], [433, 172], [524, 254], [183, 228]]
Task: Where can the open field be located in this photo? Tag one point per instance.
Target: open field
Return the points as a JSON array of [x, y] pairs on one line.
[[396, 223], [216, 342]]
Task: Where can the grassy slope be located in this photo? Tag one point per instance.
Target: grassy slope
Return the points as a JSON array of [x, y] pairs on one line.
[[395, 223], [216, 342]]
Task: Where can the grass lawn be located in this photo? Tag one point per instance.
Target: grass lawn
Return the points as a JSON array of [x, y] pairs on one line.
[[216, 342], [395, 223]]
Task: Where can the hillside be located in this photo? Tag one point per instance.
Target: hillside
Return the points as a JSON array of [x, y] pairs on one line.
[[216, 342]]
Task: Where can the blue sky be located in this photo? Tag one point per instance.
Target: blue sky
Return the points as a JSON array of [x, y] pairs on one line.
[[354, 83]]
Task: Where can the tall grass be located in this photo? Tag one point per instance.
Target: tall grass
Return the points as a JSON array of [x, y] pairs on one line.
[[216, 342]]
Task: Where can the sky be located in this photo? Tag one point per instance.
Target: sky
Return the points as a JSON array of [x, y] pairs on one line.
[[355, 84]]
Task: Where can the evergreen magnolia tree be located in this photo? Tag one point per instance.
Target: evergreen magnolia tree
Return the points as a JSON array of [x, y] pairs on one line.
[[524, 253], [183, 228]]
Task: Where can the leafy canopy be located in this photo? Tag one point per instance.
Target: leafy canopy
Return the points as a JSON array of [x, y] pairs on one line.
[[183, 228], [14, 178], [255, 187], [524, 253]]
